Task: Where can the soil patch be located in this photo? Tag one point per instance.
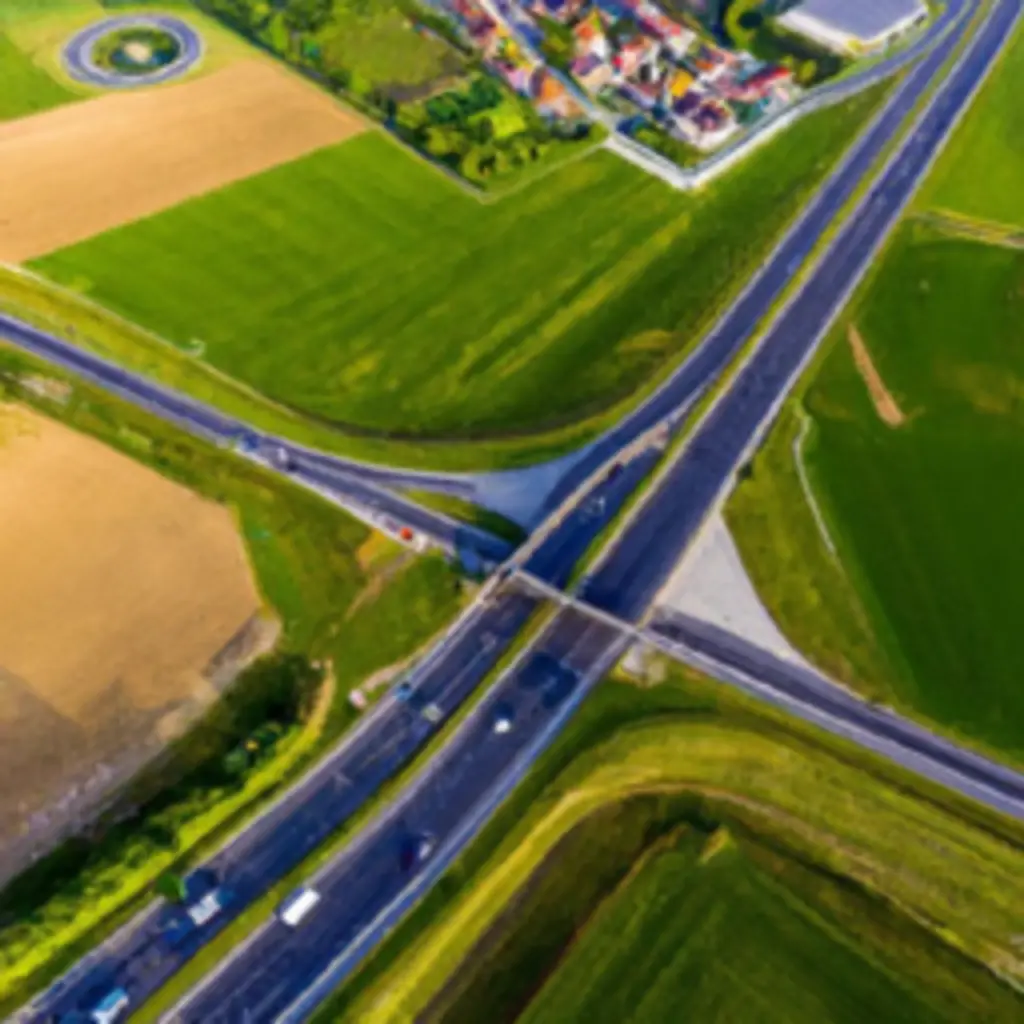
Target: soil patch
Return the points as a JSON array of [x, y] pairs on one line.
[[120, 591], [885, 405], [77, 171]]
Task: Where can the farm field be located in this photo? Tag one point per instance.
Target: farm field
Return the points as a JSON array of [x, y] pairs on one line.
[[346, 599], [923, 509], [680, 849], [24, 88], [716, 938], [79, 170], [119, 590], [980, 173], [396, 304]]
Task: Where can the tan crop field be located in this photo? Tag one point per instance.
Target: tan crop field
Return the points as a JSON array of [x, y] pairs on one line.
[[78, 170], [118, 590]]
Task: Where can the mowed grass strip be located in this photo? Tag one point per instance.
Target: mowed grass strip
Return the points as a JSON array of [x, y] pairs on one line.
[[981, 171], [363, 287], [926, 516], [25, 88]]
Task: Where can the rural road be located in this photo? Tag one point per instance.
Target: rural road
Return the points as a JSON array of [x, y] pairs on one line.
[[281, 974]]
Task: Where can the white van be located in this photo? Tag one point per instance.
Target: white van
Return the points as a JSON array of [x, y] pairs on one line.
[[297, 906]]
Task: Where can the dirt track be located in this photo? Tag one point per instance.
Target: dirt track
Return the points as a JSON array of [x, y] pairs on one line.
[[78, 170], [885, 405], [118, 588]]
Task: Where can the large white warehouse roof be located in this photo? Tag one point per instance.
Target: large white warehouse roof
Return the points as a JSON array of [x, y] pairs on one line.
[[864, 21]]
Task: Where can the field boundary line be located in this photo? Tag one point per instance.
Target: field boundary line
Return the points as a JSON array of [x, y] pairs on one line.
[[799, 442]]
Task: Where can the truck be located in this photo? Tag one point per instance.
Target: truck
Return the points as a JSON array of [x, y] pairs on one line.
[[110, 1008], [297, 906]]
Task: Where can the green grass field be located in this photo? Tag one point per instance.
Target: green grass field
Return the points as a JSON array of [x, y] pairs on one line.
[[376, 42], [981, 171], [364, 288], [717, 940], [926, 516], [24, 87], [681, 853]]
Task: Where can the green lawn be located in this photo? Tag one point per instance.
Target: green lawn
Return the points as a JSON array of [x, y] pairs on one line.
[[24, 87], [980, 173], [363, 287], [682, 853], [926, 516], [719, 940]]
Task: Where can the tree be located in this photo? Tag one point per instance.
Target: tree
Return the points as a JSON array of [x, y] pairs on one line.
[[171, 886], [806, 72], [483, 130]]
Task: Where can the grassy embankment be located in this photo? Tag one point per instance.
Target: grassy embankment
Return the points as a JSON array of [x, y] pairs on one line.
[[678, 849], [25, 88], [600, 278], [343, 598], [920, 607], [979, 175]]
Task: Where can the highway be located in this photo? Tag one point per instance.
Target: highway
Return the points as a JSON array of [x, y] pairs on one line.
[[338, 480], [710, 357], [282, 974], [372, 882], [144, 954]]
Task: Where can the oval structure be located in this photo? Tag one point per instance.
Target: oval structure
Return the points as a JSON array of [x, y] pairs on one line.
[[133, 50]]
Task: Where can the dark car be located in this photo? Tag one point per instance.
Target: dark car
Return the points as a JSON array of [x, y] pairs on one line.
[[558, 689], [416, 849]]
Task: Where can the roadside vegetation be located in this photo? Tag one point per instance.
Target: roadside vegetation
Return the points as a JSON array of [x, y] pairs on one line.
[[979, 175], [383, 327], [681, 847], [24, 87], [912, 468], [349, 604]]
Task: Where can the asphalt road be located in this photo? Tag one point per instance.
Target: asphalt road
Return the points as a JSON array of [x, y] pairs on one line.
[[336, 479], [801, 689], [146, 953], [78, 61], [711, 356], [282, 974], [372, 883]]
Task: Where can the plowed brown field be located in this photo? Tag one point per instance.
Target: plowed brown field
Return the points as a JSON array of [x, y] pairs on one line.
[[117, 589], [78, 170]]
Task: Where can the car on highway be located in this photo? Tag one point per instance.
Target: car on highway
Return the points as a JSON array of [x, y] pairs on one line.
[[503, 718], [416, 849], [112, 1007], [404, 691], [295, 908], [281, 459]]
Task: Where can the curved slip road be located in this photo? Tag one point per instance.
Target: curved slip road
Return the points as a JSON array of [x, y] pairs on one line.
[[712, 355]]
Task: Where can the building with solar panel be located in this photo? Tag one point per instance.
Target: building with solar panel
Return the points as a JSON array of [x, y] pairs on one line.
[[854, 27]]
